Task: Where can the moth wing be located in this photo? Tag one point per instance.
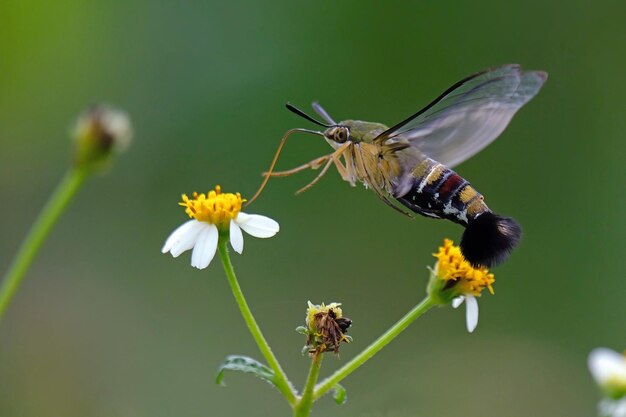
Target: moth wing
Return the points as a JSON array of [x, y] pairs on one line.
[[469, 115]]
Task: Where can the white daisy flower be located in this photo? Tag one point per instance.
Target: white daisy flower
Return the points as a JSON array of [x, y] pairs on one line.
[[609, 370], [213, 214], [455, 280]]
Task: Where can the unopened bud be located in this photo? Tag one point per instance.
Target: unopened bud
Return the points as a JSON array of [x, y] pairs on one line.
[[100, 132]]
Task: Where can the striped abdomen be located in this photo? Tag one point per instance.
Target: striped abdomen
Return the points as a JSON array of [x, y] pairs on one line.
[[439, 192]]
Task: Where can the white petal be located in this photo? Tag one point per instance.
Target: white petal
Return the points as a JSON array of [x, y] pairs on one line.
[[606, 407], [236, 237], [471, 306], [620, 408], [205, 248], [606, 364], [256, 225], [456, 302], [188, 240], [201, 242], [176, 235], [183, 238]]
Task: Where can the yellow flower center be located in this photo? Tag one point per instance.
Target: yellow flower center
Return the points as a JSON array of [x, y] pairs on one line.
[[460, 274], [213, 207]]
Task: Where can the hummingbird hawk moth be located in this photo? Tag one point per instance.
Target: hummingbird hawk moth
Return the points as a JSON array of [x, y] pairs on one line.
[[409, 165]]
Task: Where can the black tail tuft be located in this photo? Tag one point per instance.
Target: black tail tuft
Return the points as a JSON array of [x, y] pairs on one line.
[[489, 239]]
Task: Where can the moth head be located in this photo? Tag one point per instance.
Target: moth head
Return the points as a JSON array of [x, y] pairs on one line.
[[339, 134]]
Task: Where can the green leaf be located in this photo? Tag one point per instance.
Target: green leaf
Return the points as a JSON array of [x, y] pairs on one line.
[[302, 330], [245, 364], [339, 394]]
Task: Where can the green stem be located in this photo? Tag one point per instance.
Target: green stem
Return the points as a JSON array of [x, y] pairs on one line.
[[38, 232], [372, 349], [282, 383], [303, 409]]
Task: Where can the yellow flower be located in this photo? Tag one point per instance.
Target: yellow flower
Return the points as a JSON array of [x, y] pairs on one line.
[[459, 273], [455, 280], [214, 213], [214, 207]]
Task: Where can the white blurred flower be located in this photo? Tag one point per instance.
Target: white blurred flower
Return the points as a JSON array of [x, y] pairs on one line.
[[608, 369], [215, 213], [612, 408]]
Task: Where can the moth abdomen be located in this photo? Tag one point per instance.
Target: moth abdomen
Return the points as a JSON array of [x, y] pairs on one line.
[[439, 192], [489, 239]]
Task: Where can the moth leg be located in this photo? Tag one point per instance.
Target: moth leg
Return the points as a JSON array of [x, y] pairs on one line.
[[393, 206], [316, 179], [342, 169], [334, 156], [280, 147], [314, 164]]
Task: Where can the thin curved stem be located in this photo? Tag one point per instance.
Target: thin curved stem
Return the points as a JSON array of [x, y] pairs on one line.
[[303, 409], [282, 383], [38, 232], [374, 348]]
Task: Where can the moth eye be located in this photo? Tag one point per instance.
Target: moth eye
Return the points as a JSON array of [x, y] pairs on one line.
[[341, 135]]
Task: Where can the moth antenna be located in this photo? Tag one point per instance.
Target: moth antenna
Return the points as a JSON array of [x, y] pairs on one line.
[[324, 115], [271, 169], [302, 114]]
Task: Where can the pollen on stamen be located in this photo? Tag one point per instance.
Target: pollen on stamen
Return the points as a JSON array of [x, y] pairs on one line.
[[458, 273], [214, 207]]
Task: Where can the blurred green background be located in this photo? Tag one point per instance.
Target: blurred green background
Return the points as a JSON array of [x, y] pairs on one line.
[[105, 325]]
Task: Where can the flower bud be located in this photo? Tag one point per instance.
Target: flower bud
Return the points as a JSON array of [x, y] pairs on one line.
[[100, 132]]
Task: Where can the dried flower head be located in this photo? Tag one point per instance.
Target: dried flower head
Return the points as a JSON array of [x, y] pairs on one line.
[[326, 328]]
